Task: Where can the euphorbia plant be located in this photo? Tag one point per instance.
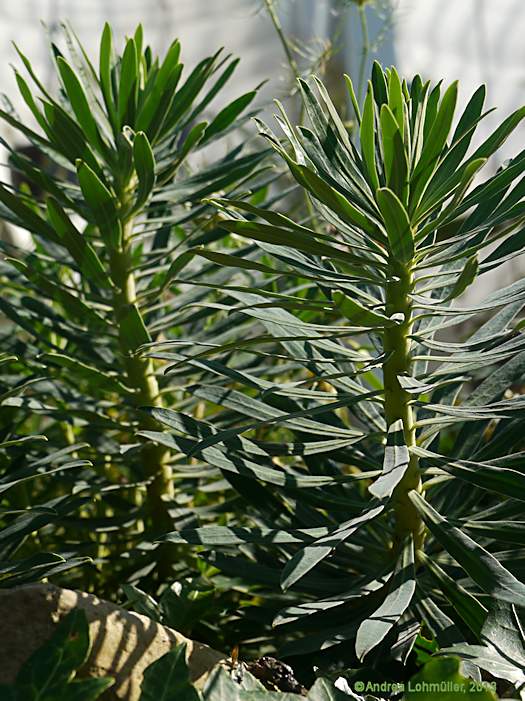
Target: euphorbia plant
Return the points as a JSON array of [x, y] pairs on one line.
[[24, 461], [113, 208], [385, 476]]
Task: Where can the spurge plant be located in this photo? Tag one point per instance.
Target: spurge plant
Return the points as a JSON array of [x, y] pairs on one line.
[[383, 465], [113, 207]]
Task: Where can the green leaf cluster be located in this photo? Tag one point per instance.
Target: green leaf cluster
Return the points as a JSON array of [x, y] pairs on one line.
[[381, 464]]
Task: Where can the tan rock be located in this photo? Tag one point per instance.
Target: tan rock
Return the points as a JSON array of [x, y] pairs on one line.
[[123, 643]]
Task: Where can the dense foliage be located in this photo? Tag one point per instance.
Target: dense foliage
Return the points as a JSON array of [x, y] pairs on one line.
[[385, 480], [189, 358], [113, 210]]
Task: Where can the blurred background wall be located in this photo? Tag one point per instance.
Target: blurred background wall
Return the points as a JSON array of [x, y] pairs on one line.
[[476, 41], [473, 40]]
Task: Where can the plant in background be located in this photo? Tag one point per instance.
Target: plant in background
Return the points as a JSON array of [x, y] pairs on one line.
[[383, 477], [23, 463], [113, 208]]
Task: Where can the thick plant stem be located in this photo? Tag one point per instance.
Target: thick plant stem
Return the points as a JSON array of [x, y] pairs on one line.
[[397, 400], [140, 377]]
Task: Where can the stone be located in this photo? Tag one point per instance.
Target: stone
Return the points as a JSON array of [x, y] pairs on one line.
[[123, 643]]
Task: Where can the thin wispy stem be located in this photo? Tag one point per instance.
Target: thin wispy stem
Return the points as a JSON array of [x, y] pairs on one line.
[[274, 17], [365, 50], [294, 68]]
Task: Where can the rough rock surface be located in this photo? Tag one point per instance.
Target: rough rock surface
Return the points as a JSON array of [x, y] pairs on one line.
[[123, 643]]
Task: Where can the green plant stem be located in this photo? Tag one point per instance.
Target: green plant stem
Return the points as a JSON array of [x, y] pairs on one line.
[[141, 378], [365, 50], [398, 401]]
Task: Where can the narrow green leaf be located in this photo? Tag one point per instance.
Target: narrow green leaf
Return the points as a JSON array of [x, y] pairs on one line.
[[284, 237], [506, 531], [358, 314], [499, 136], [379, 84], [367, 137], [222, 535], [434, 143], [78, 309], [105, 66], [29, 69], [401, 587], [138, 36], [141, 602], [22, 440], [398, 179], [193, 140], [353, 98], [79, 103], [389, 129], [77, 245], [144, 161], [67, 137], [217, 87], [460, 140], [494, 477], [161, 93], [307, 558], [227, 115], [27, 216], [185, 96], [101, 203], [239, 466], [96, 377], [395, 462], [397, 224], [431, 110], [465, 279], [128, 82], [133, 331], [465, 604], [484, 569], [329, 196], [30, 102], [395, 99], [20, 476]]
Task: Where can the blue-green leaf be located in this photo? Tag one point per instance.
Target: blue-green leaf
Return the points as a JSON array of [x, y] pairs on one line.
[[397, 224]]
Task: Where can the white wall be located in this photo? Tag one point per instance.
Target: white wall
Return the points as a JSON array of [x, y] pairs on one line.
[[477, 41]]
